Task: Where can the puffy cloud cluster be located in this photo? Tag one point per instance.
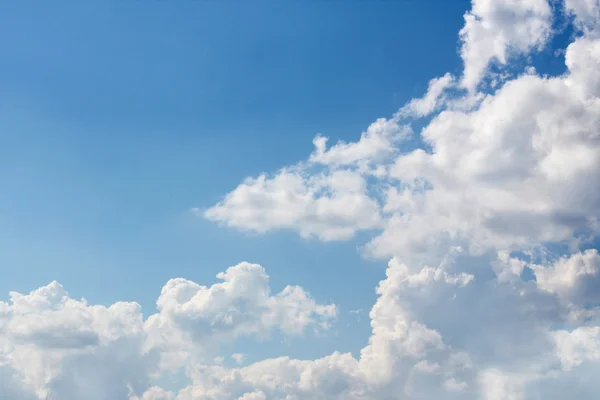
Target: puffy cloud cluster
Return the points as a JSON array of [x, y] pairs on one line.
[[576, 276], [332, 206], [439, 332], [513, 173], [495, 30], [477, 303], [395, 359], [509, 173], [586, 13], [56, 347], [52, 346], [193, 319], [505, 170]]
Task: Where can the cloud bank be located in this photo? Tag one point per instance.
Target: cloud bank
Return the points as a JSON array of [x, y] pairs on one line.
[[492, 289]]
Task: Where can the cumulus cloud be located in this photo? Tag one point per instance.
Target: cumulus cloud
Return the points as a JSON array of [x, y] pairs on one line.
[[495, 30], [53, 346], [154, 393], [436, 333], [433, 99], [508, 175], [193, 320], [238, 357], [386, 364], [586, 13], [510, 172], [58, 347], [241, 305], [576, 276], [120, 364], [330, 206], [509, 168], [376, 143], [582, 344]]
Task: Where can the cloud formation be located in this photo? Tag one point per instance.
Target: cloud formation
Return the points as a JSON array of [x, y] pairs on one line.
[[505, 170], [57, 347], [480, 299]]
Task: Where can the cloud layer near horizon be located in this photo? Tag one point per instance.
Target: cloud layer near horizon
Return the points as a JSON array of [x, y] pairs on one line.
[[476, 302]]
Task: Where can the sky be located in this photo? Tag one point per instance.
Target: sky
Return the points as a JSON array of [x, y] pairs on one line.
[[300, 200]]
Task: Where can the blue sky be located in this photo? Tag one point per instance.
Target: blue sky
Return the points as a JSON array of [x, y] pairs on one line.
[[117, 119]]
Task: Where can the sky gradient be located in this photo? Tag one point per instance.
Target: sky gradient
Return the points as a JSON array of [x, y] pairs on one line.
[[300, 200]]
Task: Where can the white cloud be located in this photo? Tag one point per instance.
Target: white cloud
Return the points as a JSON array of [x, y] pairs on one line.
[[11, 388], [582, 58], [495, 29], [428, 275], [240, 305], [398, 345], [155, 393], [193, 320], [238, 358], [573, 280], [53, 345], [63, 348], [436, 333], [486, 343], [578, 346], [499, 385], [376, 143], [503, 172], [586, 12], [511, 169], [508, 269], [332, 206], [452, 385], [513, 173], [259, 395], [576, 276], [432, 100]]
